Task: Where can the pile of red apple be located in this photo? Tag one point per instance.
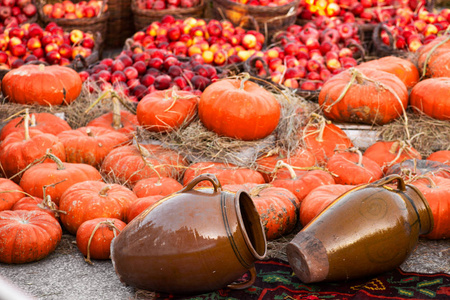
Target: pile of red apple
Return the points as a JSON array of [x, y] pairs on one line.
[[30, 42], [218, 42], [364, 11], [412, 29], [309, 55], [166, 4], [271, 3], [16, 12], [70, 10], [135, 74]]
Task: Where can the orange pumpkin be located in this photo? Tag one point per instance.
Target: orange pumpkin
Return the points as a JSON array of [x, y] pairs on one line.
[[430, 96], [58, 176], [41, 85], [353, 168], [436, 190], [417, 167], [225, 173], [153, 186], [35, 203], [27, 236], [10, 193], [45, 122], [89, 200], [167, 110], [403, 68], [94, 237], [442, 156], [90, 145], [365, 96], [140, 205], [429, 54], [239, 109], [277, 207]]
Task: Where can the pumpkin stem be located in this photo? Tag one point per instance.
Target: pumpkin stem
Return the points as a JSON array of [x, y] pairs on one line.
[[145, 153], [41, 67], [59, 163], [110, 224], [255, 191], [281, 164], [356, 75], [111, 94], [360, 156], [175, 98], [89, 132], [117, 118], [321, 123], [14, 115], [104, 191], [398, 147], [431, 182], [47, 203], [430, 53], [26, 124], [314, 168], [245, 77], [33, 120]]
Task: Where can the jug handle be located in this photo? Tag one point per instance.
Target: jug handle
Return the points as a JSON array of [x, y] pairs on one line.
[[246, 284], [388, 179], [207, 176]]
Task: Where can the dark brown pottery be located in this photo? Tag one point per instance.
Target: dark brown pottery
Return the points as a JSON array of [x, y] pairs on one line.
[[191, 242], [369, 230]]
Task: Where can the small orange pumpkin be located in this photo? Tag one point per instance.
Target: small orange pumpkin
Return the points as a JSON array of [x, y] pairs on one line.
[[430, 96], [42, 85]]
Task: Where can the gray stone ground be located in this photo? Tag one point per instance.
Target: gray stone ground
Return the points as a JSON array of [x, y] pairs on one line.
[[65, 275]]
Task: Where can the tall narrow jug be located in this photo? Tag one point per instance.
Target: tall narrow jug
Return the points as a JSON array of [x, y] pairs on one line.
[[369, 230], [191, 242]]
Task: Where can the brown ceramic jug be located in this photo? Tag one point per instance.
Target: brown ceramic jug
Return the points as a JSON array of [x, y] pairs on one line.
[[191, 242], [368, 230]]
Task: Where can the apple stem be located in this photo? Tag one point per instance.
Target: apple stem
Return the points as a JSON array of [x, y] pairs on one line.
[[26, 124], [429, 54]]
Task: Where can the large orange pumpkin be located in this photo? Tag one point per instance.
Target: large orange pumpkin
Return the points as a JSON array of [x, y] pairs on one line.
[[442, 156], [90, 145], [153, 186], [124, 122], [45, 122], [239, 109], [10, 193], [27, 236], [277, 207], [167, 110], [366, 96], [428, 57], [430, 96], [42, 85], [403, 68], [140, 205], [89, 200]]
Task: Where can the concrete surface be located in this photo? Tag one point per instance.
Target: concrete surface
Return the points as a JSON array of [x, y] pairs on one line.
[[65, 275]]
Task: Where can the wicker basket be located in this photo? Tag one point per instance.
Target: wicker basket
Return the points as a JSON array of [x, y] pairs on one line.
[[269, 19], [144, 17], [97, 24], [120, 26], [380, 49]]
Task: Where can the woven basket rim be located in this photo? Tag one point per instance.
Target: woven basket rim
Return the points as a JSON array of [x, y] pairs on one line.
[[253, 9], [170, 11], [80, 22]]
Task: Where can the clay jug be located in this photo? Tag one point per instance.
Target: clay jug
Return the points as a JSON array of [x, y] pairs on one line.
[[191, 242], [368, 230]]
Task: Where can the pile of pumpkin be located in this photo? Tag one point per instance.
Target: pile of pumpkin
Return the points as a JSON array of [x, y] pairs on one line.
[[93, 180]]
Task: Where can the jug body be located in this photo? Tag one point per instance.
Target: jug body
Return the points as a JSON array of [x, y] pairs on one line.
[[192, 241], [368, 230]]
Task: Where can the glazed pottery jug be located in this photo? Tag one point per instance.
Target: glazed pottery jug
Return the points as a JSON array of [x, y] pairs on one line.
[[191, 242], [368, 230]]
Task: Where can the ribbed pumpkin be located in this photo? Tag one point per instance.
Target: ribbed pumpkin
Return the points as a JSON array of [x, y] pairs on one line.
[[153, 186], [10, 193], [416, 167], [442, 156], [90, 145], [45, 122], [225, 173], [403, 68], [126, 164], [41, 85], [35, 203], [94, 237], [353, 168], [430, 96], [167, 110], [388, 153], [140, 205], [58, 176], [124, 122], [429, 54], [89, 200], [301, 157], [436, 190], [240, 109], [300, 182], [22, 148], [323, 138], [319, 198], [367, 96], [277, 207], [27, 236]]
